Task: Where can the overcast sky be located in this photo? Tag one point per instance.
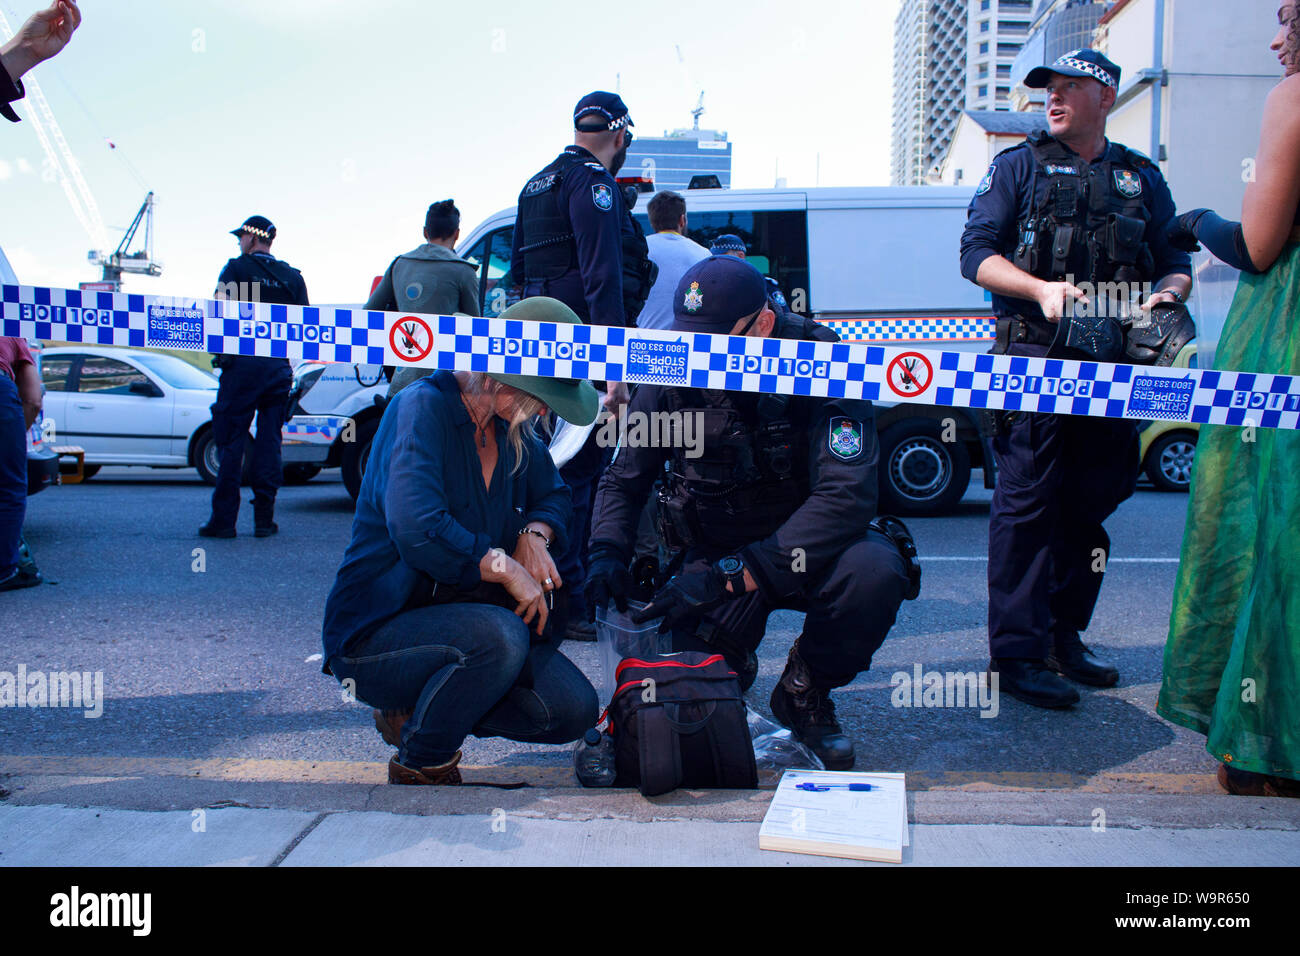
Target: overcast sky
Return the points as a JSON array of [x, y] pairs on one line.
[[341, 121]]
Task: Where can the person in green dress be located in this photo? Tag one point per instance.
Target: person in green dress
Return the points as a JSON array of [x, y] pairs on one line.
[[1232, 661]]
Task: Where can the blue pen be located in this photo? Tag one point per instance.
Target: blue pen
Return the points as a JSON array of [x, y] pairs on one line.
[[819, 787]]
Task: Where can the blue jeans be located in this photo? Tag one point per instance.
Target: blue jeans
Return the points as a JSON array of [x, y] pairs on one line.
[[467, 668], [13, 474]]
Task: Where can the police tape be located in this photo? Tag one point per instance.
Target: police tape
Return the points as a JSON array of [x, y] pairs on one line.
[[699, 360]]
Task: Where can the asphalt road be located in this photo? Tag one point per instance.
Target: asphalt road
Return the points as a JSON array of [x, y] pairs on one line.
[[218, 663]]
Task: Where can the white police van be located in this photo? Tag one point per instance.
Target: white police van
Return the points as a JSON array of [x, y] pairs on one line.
[[878, 264]]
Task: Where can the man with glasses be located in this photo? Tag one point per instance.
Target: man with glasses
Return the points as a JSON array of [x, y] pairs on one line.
[[777, 509]]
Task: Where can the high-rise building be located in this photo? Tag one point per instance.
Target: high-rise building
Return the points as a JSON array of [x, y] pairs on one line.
[[672, 159], [1057, 27], [929, 85], [995, 32]]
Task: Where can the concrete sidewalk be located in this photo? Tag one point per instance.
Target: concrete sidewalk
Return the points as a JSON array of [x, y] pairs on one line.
[[137, 815]]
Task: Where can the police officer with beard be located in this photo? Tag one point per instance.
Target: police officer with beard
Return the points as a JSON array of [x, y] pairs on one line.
[[1066, 208], [252, 384], [774, 508], [571, 229]]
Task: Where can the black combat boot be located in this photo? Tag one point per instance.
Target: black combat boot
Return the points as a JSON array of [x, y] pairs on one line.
[[1071, 658], [264, 517], [808, 711], [1031, 681]]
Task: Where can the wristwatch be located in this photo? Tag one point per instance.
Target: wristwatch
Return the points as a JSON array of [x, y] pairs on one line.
[[733, 569]]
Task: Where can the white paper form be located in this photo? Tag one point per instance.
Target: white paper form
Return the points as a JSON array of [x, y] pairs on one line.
[[837, 815]]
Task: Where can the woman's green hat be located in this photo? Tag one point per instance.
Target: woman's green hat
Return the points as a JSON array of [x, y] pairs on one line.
[[577, 402]]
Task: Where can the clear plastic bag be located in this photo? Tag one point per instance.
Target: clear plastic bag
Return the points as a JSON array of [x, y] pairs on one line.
[[775, 749], [617, 637]]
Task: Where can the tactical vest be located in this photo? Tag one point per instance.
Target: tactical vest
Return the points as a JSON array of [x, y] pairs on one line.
[[1087, 221], [277, 280], [752, 473], [639, 273], [547, 242]]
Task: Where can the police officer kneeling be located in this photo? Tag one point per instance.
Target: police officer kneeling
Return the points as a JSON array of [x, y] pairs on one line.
[[1064, 209], [772, 508]]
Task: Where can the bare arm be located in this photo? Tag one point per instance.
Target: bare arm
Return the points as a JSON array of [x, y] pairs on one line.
[[28, 381], [45, 33], [1268, 211], [999, 275]]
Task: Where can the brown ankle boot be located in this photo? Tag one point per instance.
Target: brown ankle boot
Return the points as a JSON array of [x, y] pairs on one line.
[[445, 775], [389, 723]]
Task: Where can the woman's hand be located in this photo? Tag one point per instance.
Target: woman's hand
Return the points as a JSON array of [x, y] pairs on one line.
[[531, 552], [529, 594], [499, 568]]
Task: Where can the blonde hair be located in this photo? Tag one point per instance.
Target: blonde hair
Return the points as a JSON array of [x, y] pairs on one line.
[[524, 406]]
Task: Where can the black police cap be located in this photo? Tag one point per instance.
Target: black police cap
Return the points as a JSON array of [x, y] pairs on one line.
[[258, 226], [601, 111], [716, 293], [1076, 63]]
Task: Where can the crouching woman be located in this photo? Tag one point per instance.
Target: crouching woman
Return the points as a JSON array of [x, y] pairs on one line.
[[438, 617]]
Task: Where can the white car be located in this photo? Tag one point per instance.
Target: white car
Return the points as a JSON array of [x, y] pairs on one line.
[[131, 407]]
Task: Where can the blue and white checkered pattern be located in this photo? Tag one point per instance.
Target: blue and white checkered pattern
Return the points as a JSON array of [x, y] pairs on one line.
[[559, 350], [947, 329]]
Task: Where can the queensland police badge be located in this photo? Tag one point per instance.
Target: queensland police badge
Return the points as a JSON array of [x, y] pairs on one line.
[[601, 196], [693, 299], [845, 438], [987, 182], [1128, 183]]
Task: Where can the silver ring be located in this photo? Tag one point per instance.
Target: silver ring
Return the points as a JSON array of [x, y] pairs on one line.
[[549, 583]]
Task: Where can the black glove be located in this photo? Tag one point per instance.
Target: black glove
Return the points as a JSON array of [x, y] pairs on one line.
[[687, 595], [1181, 230], [608, 579]]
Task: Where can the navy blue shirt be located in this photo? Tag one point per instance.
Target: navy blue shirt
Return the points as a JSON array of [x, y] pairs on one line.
[[594, 202], [1005, 198], [423, 515]]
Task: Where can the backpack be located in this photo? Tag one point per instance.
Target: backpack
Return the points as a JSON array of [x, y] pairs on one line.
[[685, 729]]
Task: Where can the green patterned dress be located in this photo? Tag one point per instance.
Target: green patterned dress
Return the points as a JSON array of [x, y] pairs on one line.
[[1232, 662]]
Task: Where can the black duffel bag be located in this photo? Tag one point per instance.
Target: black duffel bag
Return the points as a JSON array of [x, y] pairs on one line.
[[680, 722]]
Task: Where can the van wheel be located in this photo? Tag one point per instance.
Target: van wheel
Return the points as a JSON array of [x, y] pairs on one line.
[[920, 473], [356, 454], [1169, 461]]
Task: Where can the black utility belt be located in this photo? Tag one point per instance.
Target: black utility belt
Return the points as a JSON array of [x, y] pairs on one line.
[[1153, 338]]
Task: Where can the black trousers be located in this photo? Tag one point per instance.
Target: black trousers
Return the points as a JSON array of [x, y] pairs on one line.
[[1059, 478], [850, 606], [249, 385]]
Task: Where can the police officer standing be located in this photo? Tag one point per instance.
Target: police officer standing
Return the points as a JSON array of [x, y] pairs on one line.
[[1066, 208], [774, 508], [569, 236], [252, 384]]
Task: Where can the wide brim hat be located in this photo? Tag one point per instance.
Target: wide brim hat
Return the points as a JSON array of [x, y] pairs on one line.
[[574, 400]]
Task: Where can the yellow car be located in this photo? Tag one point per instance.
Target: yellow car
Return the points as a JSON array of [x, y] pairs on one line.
[[1167, 449]]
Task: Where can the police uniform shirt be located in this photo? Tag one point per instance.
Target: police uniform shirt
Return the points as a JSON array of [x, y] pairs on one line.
[[1004, 199], [277, 281], [841, 455], [596, 211]]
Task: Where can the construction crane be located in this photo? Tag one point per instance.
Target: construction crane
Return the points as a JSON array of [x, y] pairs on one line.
[[699, 110], [121, 259]]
